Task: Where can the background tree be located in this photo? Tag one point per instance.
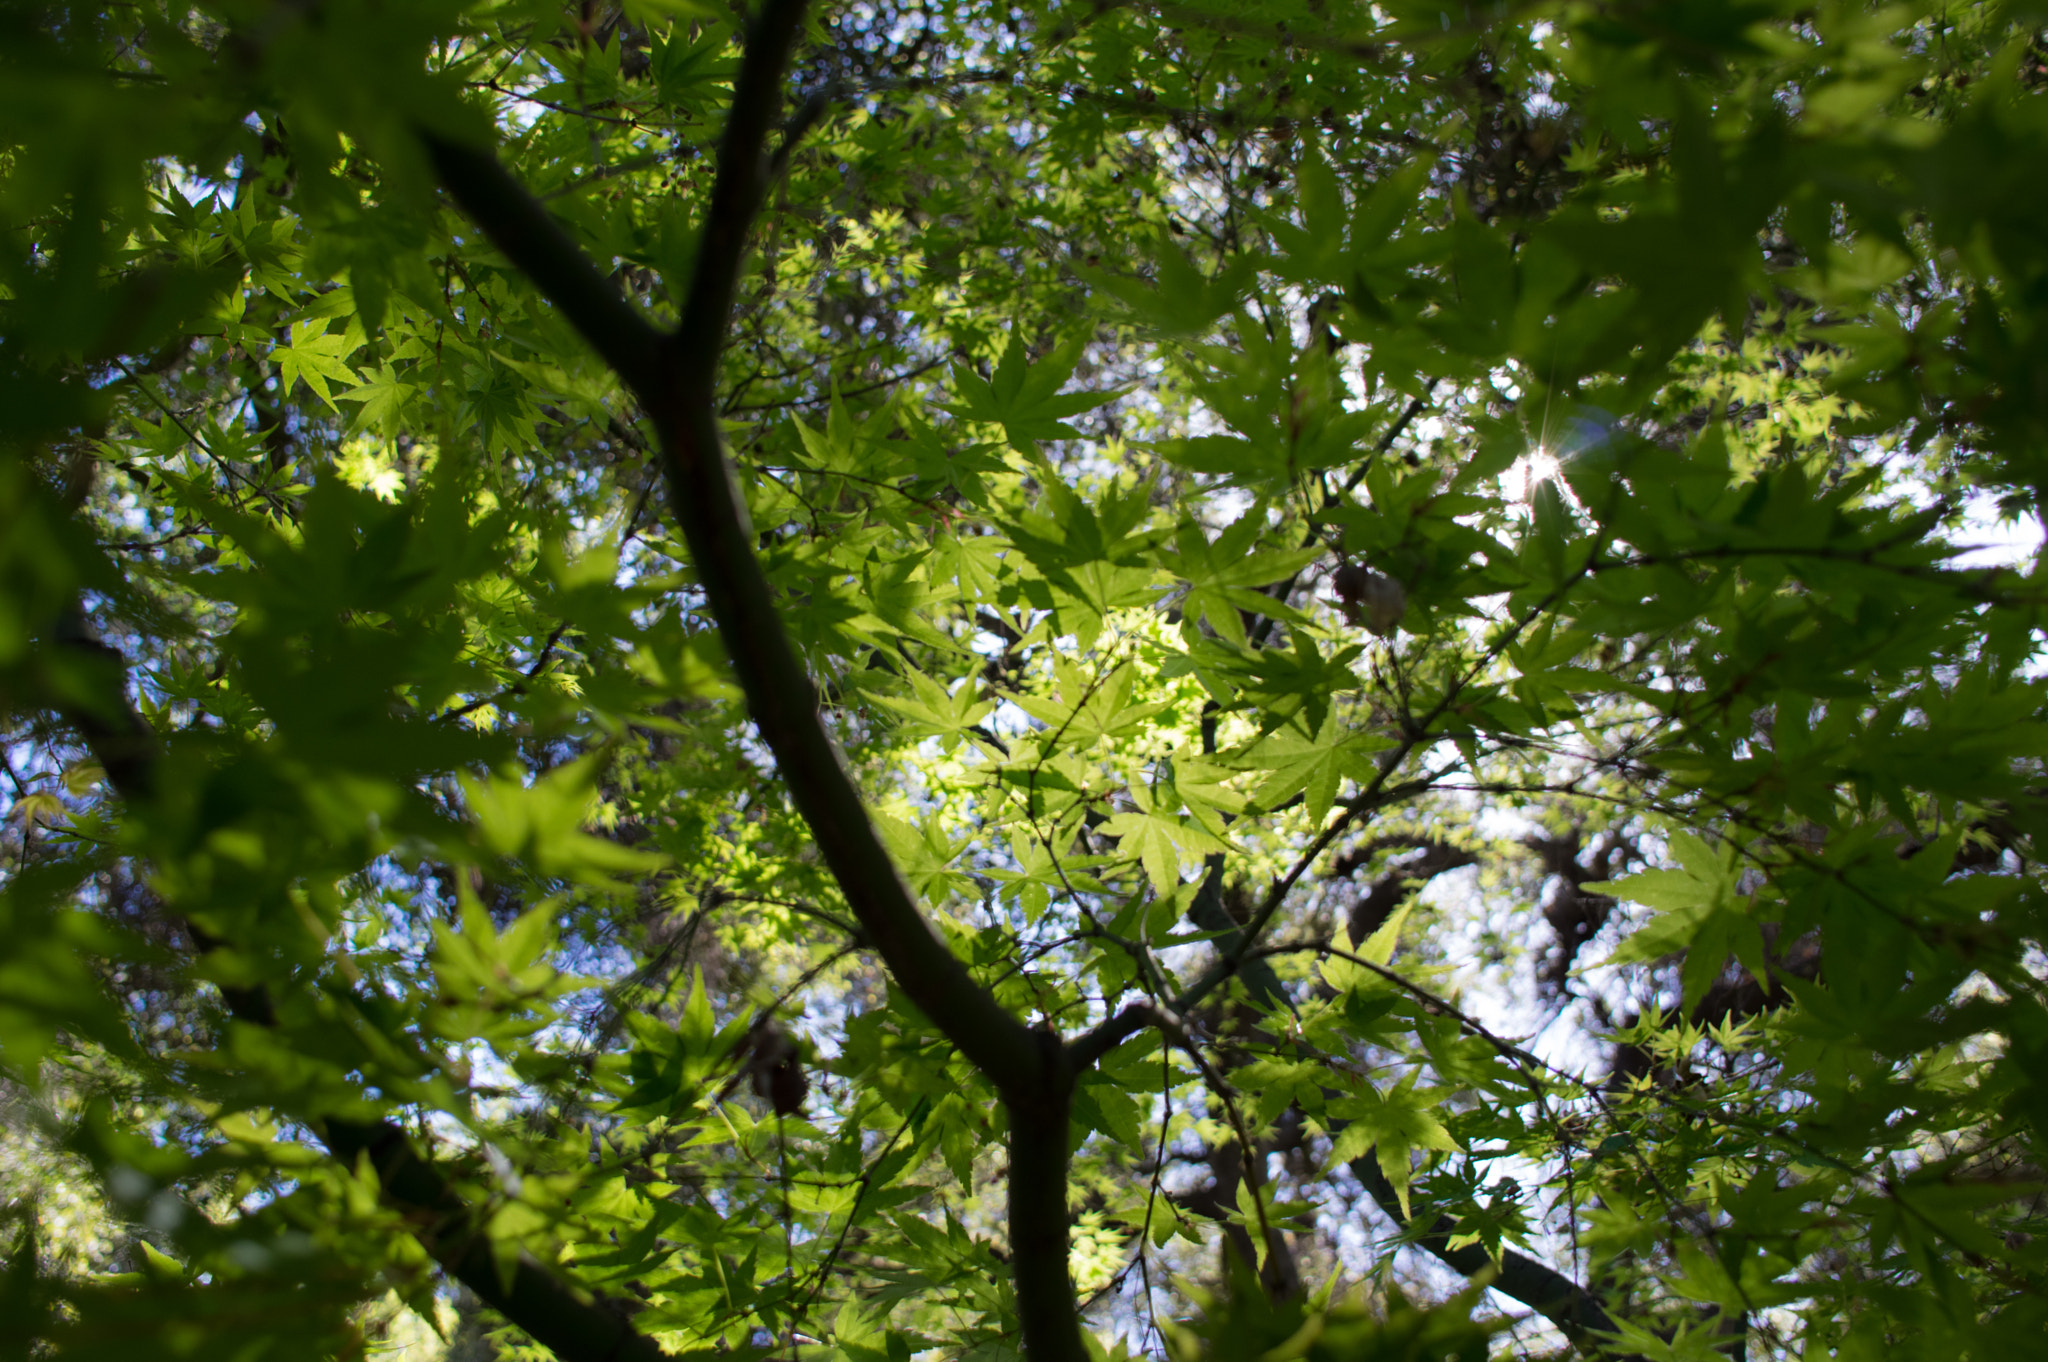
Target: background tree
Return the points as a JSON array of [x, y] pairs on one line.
[[1297, 680]]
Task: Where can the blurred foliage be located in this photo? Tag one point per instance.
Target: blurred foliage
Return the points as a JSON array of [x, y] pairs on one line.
[[1469, 508]]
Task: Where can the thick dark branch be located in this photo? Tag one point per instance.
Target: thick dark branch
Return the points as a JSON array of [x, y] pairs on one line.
[[517, 224], [1550, 1293], [1085, 1049], [1026, 1066], [675, 378], [712, 514], [574, 1327], [692, 367], [1090, 1046], [1038, 1213]]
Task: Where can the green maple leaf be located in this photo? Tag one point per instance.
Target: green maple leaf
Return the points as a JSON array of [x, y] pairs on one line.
[[1392, 1124], [1093, 558], [933, 711], [543, 824], [1025, 399], [1700, 910], [1182, 300], [939, 465], [1200, 782], [926, 855], [842, 446], [1313, 767], [314, 357], [1086, 712], [1222, 575], [1281, 682], [383, 399], [1159, 841], [1039, 878]]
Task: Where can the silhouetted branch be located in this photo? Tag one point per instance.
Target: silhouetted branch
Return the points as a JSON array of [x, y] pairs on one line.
[[91, 692], [674, 378]]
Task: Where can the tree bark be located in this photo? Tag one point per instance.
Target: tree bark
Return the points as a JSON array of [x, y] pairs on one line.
[[674, 377]]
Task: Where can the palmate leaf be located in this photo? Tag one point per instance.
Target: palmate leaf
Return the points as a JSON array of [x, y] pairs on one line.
[[315, 358], [1221, 575], [1279, 683], [933, 711], [1700, 910], [384, 398], [926, 854], [544, 822], [1181, 300], [1089, 558], [1087, 711], [1393, 1124], [940, 464], [1311, 767], [1038, 877], [1157, 843], [1201, 783], [843, 446], [1025, 398], [1162, 842]]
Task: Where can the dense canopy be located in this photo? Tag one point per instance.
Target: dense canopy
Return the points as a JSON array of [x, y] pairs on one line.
[[1047, 680]]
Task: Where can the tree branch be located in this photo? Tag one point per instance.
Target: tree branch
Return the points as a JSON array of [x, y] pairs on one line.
[[1038, 1214], [537, 245], [1085, 1049], [1548, 1292], [91, 692], [556, 1315], [1552, 1294], [675, 379]]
